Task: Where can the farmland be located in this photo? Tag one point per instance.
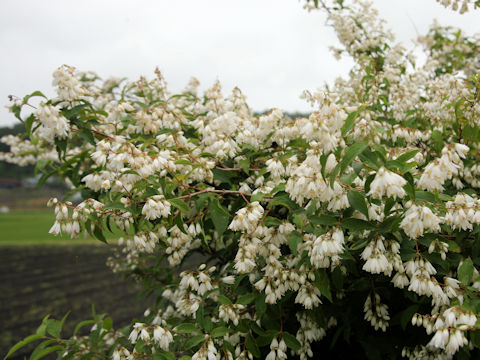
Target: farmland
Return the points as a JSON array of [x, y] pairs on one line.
[[41, 274]]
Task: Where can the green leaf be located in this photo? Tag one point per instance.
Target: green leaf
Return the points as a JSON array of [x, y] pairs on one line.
[[323, 220], [349, 122], [219, 216], [282, 198], [194, 341], [180, 204], [257, 197], [46, 351], [357, 201], [183, 162], [407, 156], [407, 315], [164, 355], [87, 136], [465, 272], [221, 176], [453, 246], [351, 153], [41, 346], [291, 341], [22, 343], [117, 205], [99, 234], [219, 332], [333, 175], [293, 240], [271, 221], [356, 224], [222, 299], [107, 323], [245, 165], [410, 190], [260, 305], [187, 328], [252, 346], [370, 158], [424, 195], [246, 299], [54, 327], [323, 284], [82, 324], [206, 154], [258, 330]]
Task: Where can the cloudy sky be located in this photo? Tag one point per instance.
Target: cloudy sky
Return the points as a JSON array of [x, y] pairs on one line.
[[271, 49]]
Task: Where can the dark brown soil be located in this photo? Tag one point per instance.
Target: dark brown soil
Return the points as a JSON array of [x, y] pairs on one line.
[[40, 280]]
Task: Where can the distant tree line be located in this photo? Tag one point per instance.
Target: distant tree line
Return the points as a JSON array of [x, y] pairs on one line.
[[8, 170]]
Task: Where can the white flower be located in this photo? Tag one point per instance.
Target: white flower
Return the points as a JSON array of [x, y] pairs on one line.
[[247, 218], [155, 208], [163, 337], [418, 219], [387, 183]]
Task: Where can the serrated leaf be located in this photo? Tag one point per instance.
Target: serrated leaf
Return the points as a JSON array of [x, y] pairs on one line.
[[107, 323], [356, 224], [46, 351], [407, 156], [187, 328], [260, 305], [194, 341], [271, 221], [424, 195], [257, 197], [465, 272], [294, 239], [323, 220], [22, 343], [453, 246], [323, 284], [87, 136], [82, 324], [222, 299], [54, 327], [183, 162], [115, 206], [164, 355], [252, 346], [99, 234], [358, 202], [207, 154], [221, 176], [219, 216], [349, 122], [282, 198], [246, 299], [291, 341], [219, 332], [245, 165], [351, 153], [180, 204], [40, 347]]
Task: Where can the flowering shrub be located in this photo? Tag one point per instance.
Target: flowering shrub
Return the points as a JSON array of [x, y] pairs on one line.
[[262, 236]]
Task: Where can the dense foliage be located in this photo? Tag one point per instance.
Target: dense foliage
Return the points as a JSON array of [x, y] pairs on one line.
[[353, 229]]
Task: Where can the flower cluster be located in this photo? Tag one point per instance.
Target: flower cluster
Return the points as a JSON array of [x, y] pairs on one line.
[[274, 236]]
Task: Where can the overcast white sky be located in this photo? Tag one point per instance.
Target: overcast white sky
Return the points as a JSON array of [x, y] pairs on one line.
[[271, 49]]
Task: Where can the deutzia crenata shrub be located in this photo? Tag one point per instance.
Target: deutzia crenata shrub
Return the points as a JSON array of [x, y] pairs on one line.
[[261, 236]]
